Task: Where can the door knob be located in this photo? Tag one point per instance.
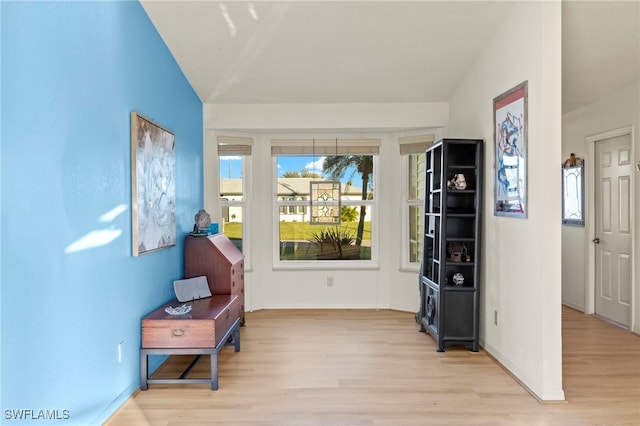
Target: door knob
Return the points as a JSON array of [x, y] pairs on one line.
[[596, 240]]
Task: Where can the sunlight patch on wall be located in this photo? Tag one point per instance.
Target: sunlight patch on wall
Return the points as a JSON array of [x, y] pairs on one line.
[[100, 237], [113, 213]]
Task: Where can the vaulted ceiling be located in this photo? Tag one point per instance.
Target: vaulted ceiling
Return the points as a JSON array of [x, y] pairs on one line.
[[309, 52]]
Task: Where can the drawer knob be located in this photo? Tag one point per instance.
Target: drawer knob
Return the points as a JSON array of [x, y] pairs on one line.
[[177, 332]]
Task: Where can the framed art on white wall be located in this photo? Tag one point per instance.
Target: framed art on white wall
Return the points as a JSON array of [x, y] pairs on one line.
[[510, 140]]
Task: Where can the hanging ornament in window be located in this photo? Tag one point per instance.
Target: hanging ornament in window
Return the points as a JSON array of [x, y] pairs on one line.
[[325, 202], [325, 198]]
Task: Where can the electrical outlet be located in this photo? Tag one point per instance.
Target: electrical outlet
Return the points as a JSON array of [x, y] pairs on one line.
[[329, 281], [120, 348], [495, 318]]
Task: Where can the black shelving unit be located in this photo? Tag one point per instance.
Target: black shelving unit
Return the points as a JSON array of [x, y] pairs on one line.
[[450, 271]]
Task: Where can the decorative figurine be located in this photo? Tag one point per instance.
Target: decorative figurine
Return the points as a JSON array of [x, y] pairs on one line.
[[457, 252], [458, 279], [572, 161], [203, 220], [458, 181]]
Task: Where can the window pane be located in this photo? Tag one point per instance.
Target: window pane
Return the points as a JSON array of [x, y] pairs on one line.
[[416, 233], [416, 176], [415, 199], [232, 224], [231, 198], [347, 241], [298, 238], [355, 172], [231, 177]]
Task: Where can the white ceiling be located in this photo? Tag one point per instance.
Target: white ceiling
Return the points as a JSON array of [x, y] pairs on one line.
[[600, 49], [376, 51]]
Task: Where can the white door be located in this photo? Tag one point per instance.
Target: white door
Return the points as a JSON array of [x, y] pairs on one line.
[[614, 216]]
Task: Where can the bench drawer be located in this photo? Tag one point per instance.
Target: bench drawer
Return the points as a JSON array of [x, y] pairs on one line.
[[179, 334], [226, 319]]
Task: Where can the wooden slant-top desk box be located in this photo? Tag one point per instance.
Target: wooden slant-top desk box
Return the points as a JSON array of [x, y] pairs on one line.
[[217, 258]]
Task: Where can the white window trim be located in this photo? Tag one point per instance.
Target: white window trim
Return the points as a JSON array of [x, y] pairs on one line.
[[246, 213], [406, 204], [212, 202], [372, 264], [404, 142]]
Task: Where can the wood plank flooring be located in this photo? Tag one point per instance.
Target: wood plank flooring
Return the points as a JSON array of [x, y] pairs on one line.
[[361, 367]]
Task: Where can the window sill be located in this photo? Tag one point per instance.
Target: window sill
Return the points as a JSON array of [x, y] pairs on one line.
[[326, 264]]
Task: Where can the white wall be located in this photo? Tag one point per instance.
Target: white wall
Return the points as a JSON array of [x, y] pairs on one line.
[[387, 286], [618, 110], [521, 276], [352, 117]]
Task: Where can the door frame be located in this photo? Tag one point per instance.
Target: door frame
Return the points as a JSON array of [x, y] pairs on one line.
[[590, 253]]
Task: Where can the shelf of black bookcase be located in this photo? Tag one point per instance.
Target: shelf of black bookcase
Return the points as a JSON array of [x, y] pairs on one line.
[[460, 191], [461, 166], [461, 215], [457, 239], [467, 211], [450, 263], [463, 288], [453, 212]]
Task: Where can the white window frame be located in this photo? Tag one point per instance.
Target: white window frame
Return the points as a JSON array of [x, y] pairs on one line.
[[212, 201], [409, 145], [303, 147]]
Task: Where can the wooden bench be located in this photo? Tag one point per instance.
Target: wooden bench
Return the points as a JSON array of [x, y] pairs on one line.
[[212, 323]]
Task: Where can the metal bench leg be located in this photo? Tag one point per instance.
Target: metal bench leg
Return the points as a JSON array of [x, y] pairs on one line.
[[214, 370], [236, 339], [144, 370]]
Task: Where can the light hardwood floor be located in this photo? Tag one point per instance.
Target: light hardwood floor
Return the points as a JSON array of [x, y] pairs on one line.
[[361, 367]]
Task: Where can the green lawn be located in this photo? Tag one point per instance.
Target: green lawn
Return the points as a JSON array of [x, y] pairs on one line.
[[233, 230], [301, 231], [290, 231]]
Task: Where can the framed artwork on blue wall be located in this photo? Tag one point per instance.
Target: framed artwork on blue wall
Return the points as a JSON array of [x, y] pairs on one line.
[[153, 196], [510, 140]]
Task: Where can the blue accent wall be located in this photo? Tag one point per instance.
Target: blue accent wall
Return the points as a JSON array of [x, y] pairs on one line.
[[71, 74]]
